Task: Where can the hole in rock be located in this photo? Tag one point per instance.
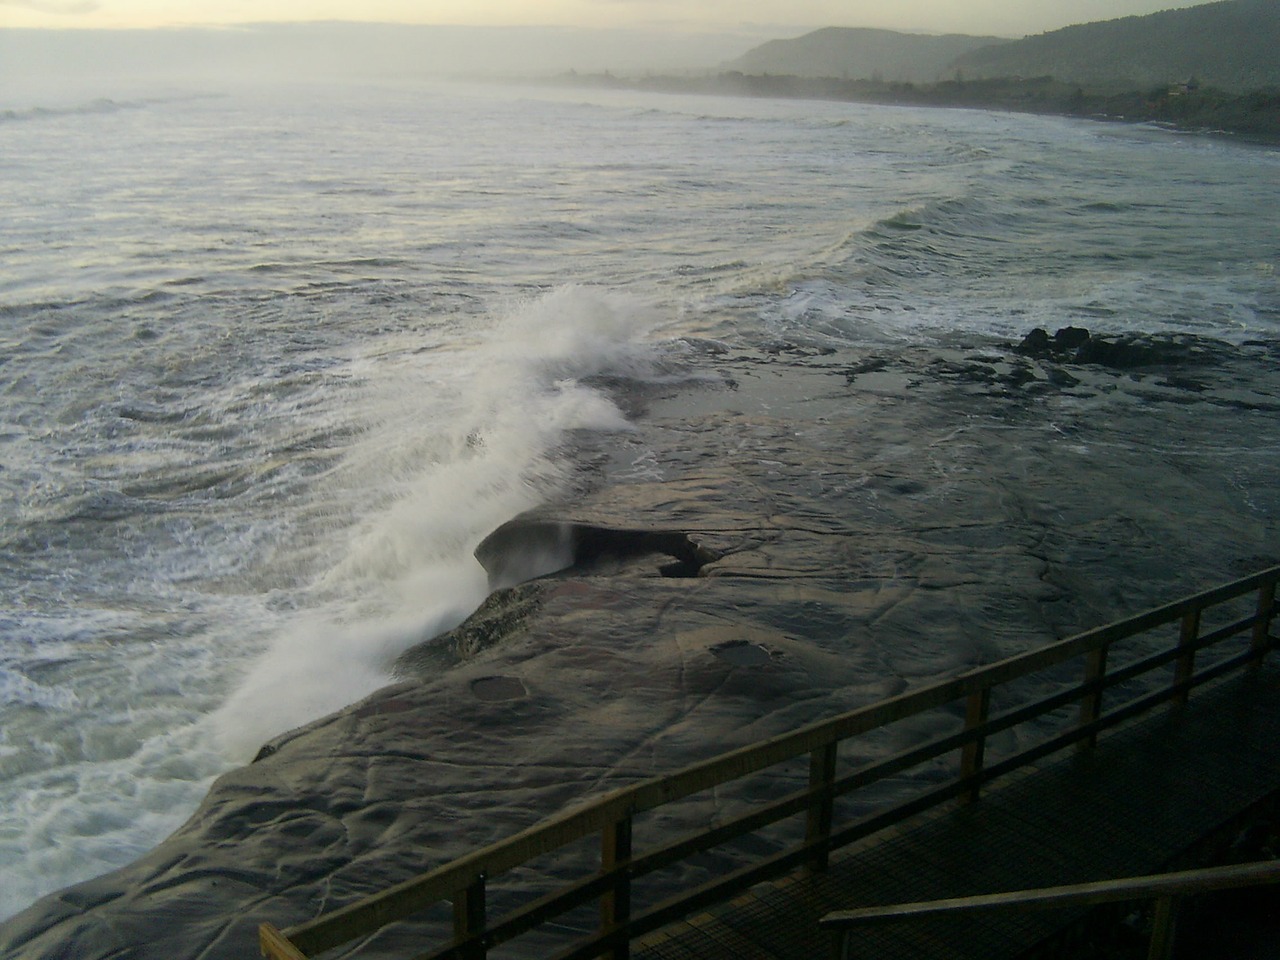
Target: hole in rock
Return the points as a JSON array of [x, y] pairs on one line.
[[742, 653], [530, 547]]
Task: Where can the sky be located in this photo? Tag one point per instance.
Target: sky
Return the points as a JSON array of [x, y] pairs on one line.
[[765, 18], [136, 40]]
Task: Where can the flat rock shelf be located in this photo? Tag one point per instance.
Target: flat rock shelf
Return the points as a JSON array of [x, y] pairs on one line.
[[879, 518]]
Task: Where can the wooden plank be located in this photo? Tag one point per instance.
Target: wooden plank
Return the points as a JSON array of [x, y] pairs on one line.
[[1124, 711], [276, 945], [787, 746], [1265, 612], [1185, 665], [1180, 883], [739, 826], [976, 709], [1162, 929], [969, 845], [1095, 670], [817, 831], [469, 919], [615, 904], [403, 899]]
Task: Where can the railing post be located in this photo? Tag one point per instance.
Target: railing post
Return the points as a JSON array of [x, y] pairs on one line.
[[615, 905], [274, 944], [1262, 623], [1095, 668], [1185, 665], [840, 944], [1162, 928], [975, 715], [822, 778], [469, 919]]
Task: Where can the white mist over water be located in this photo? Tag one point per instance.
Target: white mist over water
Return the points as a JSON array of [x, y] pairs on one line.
[[109, 744], [458, 442]]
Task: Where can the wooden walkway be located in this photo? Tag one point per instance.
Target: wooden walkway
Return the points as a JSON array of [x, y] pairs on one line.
[[1139, 803], [1049, 808]]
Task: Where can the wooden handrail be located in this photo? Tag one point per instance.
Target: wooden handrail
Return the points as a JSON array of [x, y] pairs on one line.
[[612, 815], [1158, 887], [1180, 883]]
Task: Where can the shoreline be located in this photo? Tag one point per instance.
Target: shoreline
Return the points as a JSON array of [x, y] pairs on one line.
[[884, 516], [1251, 117]]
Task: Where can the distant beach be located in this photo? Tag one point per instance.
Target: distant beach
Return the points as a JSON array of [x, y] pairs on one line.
[[1253, 116]]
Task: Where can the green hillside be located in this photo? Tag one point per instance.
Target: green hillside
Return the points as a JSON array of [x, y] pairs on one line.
[[1232, 45], [1214, 67]]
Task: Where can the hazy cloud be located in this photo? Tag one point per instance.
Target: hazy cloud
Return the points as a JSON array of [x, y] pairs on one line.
[[788, 17], [60, 7]]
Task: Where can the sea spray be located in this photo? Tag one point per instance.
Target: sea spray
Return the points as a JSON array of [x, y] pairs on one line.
[[456, 442]]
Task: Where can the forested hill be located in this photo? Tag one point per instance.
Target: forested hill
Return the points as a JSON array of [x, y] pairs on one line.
[[861, 54], [1232, 45]]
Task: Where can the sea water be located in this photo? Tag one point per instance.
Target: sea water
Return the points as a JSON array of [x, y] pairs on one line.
[[275, 359]]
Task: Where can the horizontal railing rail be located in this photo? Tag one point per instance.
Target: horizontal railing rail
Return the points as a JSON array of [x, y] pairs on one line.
[[1163, 889], [613, 817]]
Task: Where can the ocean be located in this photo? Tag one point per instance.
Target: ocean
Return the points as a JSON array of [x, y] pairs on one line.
[[275, 359]]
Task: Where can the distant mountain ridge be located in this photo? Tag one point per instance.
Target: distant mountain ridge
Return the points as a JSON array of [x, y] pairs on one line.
[[853, 53], [1232, 44]]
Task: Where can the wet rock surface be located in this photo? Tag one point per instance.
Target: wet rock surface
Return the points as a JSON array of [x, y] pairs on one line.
[[878, 519]]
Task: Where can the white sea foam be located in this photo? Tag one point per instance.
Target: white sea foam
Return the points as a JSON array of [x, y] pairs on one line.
[[115, 725], [99, 814], [314, 666], [456, 444]]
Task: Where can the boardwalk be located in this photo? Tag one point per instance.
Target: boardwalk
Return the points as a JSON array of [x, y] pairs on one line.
[[1137, 804], [1180, 703]]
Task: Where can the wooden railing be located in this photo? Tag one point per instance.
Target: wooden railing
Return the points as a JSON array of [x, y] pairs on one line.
[[1163, 890], [1131, 660]]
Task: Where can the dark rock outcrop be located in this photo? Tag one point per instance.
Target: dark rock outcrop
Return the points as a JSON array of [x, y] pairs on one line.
[[1121, 352], [531, 546]]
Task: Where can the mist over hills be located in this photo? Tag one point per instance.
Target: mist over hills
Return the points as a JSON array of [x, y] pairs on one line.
[[853, 53], [1133, 68], [338, 50], [1233, 45]]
